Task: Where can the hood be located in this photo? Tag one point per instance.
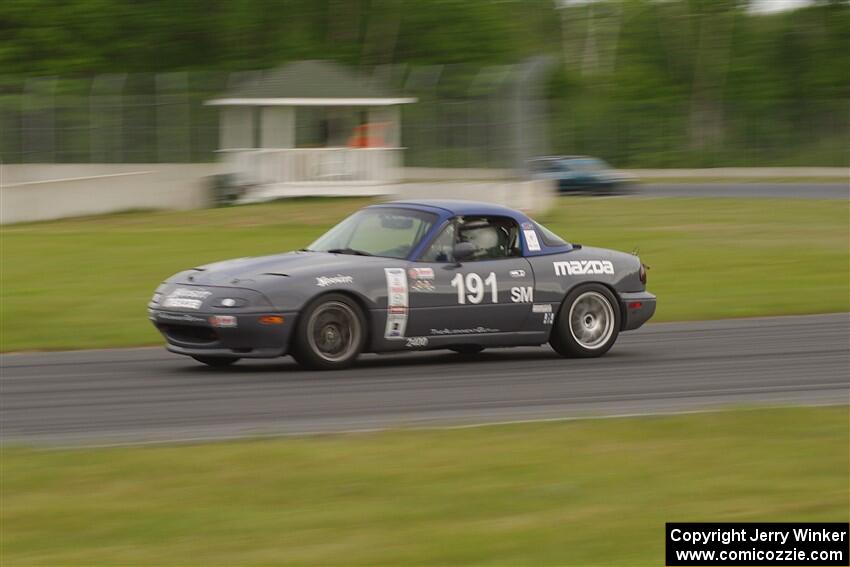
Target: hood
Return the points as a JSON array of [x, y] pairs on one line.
[[243, 272]]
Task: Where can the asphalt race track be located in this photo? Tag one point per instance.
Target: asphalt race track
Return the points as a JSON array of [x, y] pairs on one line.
[[747, 190], [142, 395]]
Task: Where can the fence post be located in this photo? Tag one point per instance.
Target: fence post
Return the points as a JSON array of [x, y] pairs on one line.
[[38, 122], [173, 142], [106, 139]]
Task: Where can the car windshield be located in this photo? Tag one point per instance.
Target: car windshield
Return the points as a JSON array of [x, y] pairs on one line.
[[379, 231], [587, 164]]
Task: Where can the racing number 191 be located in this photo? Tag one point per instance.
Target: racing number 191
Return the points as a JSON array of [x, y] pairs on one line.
[[472, 287]]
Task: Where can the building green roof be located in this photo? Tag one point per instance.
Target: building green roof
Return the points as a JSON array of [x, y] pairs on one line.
[[311, 83]]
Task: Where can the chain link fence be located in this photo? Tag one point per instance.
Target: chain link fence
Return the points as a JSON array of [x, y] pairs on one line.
[[495, 117], [139, 118], [483, 118]]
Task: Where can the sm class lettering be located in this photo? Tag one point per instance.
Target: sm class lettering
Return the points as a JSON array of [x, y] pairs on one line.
[[472, 288]]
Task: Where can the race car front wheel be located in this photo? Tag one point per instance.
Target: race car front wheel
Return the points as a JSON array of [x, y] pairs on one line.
[[216, 361], [587, 324], [330, 333]]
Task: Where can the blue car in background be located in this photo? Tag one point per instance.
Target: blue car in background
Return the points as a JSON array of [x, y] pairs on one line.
[[580, 174]]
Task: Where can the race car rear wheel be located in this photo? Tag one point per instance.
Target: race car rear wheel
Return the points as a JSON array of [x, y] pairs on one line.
[[216, 361], [330, 334], [587, 324]]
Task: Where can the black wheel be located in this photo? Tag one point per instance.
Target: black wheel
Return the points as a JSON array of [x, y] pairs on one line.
[[587, 324], [467, 349], [330, 333], [216, 361]]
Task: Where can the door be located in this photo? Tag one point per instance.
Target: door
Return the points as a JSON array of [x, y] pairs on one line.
[[490, 292]]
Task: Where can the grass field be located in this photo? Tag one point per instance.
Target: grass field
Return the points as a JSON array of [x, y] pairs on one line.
[[593, 492], [85, 282]]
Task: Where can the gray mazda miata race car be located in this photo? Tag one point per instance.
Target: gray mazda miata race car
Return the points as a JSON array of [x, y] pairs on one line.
[[408, 275]]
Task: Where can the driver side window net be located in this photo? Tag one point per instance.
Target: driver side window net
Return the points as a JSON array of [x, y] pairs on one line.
[[492, 237]]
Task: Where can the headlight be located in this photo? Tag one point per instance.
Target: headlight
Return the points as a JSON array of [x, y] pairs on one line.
[[156, 297]]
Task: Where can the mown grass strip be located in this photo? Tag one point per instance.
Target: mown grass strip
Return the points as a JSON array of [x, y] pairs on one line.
[[593, 492]]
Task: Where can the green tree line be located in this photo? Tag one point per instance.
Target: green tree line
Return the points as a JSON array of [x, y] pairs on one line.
[[641, 82]]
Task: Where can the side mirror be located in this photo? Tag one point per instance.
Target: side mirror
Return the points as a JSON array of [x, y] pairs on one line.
[[463, 251]]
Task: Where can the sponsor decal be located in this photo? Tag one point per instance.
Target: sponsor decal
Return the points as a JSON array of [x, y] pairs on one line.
[[421, 279], [473, 331], [527, 226], [180, 317], [523, 294], [581, 267], [186, 298], [182, 303], [531, 240], [546, 310], [421, 273], [517, 273], [423, 286], [416, 342], [396, 303], [188, 292], [325, 281], [395, 326]]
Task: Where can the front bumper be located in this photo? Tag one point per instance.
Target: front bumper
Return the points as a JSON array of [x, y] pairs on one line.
[[192, 334], [638, 308]]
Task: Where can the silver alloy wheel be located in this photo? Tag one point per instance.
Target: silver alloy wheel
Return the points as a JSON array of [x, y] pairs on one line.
[[591, 320], [334, 331]]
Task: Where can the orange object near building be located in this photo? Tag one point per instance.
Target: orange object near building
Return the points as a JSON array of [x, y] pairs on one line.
[[368, 136]]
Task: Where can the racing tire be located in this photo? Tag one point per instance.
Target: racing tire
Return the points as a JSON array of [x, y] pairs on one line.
[[467, 349], [330, 333], [587, 324], [216, 361]]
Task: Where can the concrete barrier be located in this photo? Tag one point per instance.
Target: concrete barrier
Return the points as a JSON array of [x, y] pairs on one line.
[[421, 174], [743, 172], [35, 192], [529, 196], [480, 174], [534, 197]]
